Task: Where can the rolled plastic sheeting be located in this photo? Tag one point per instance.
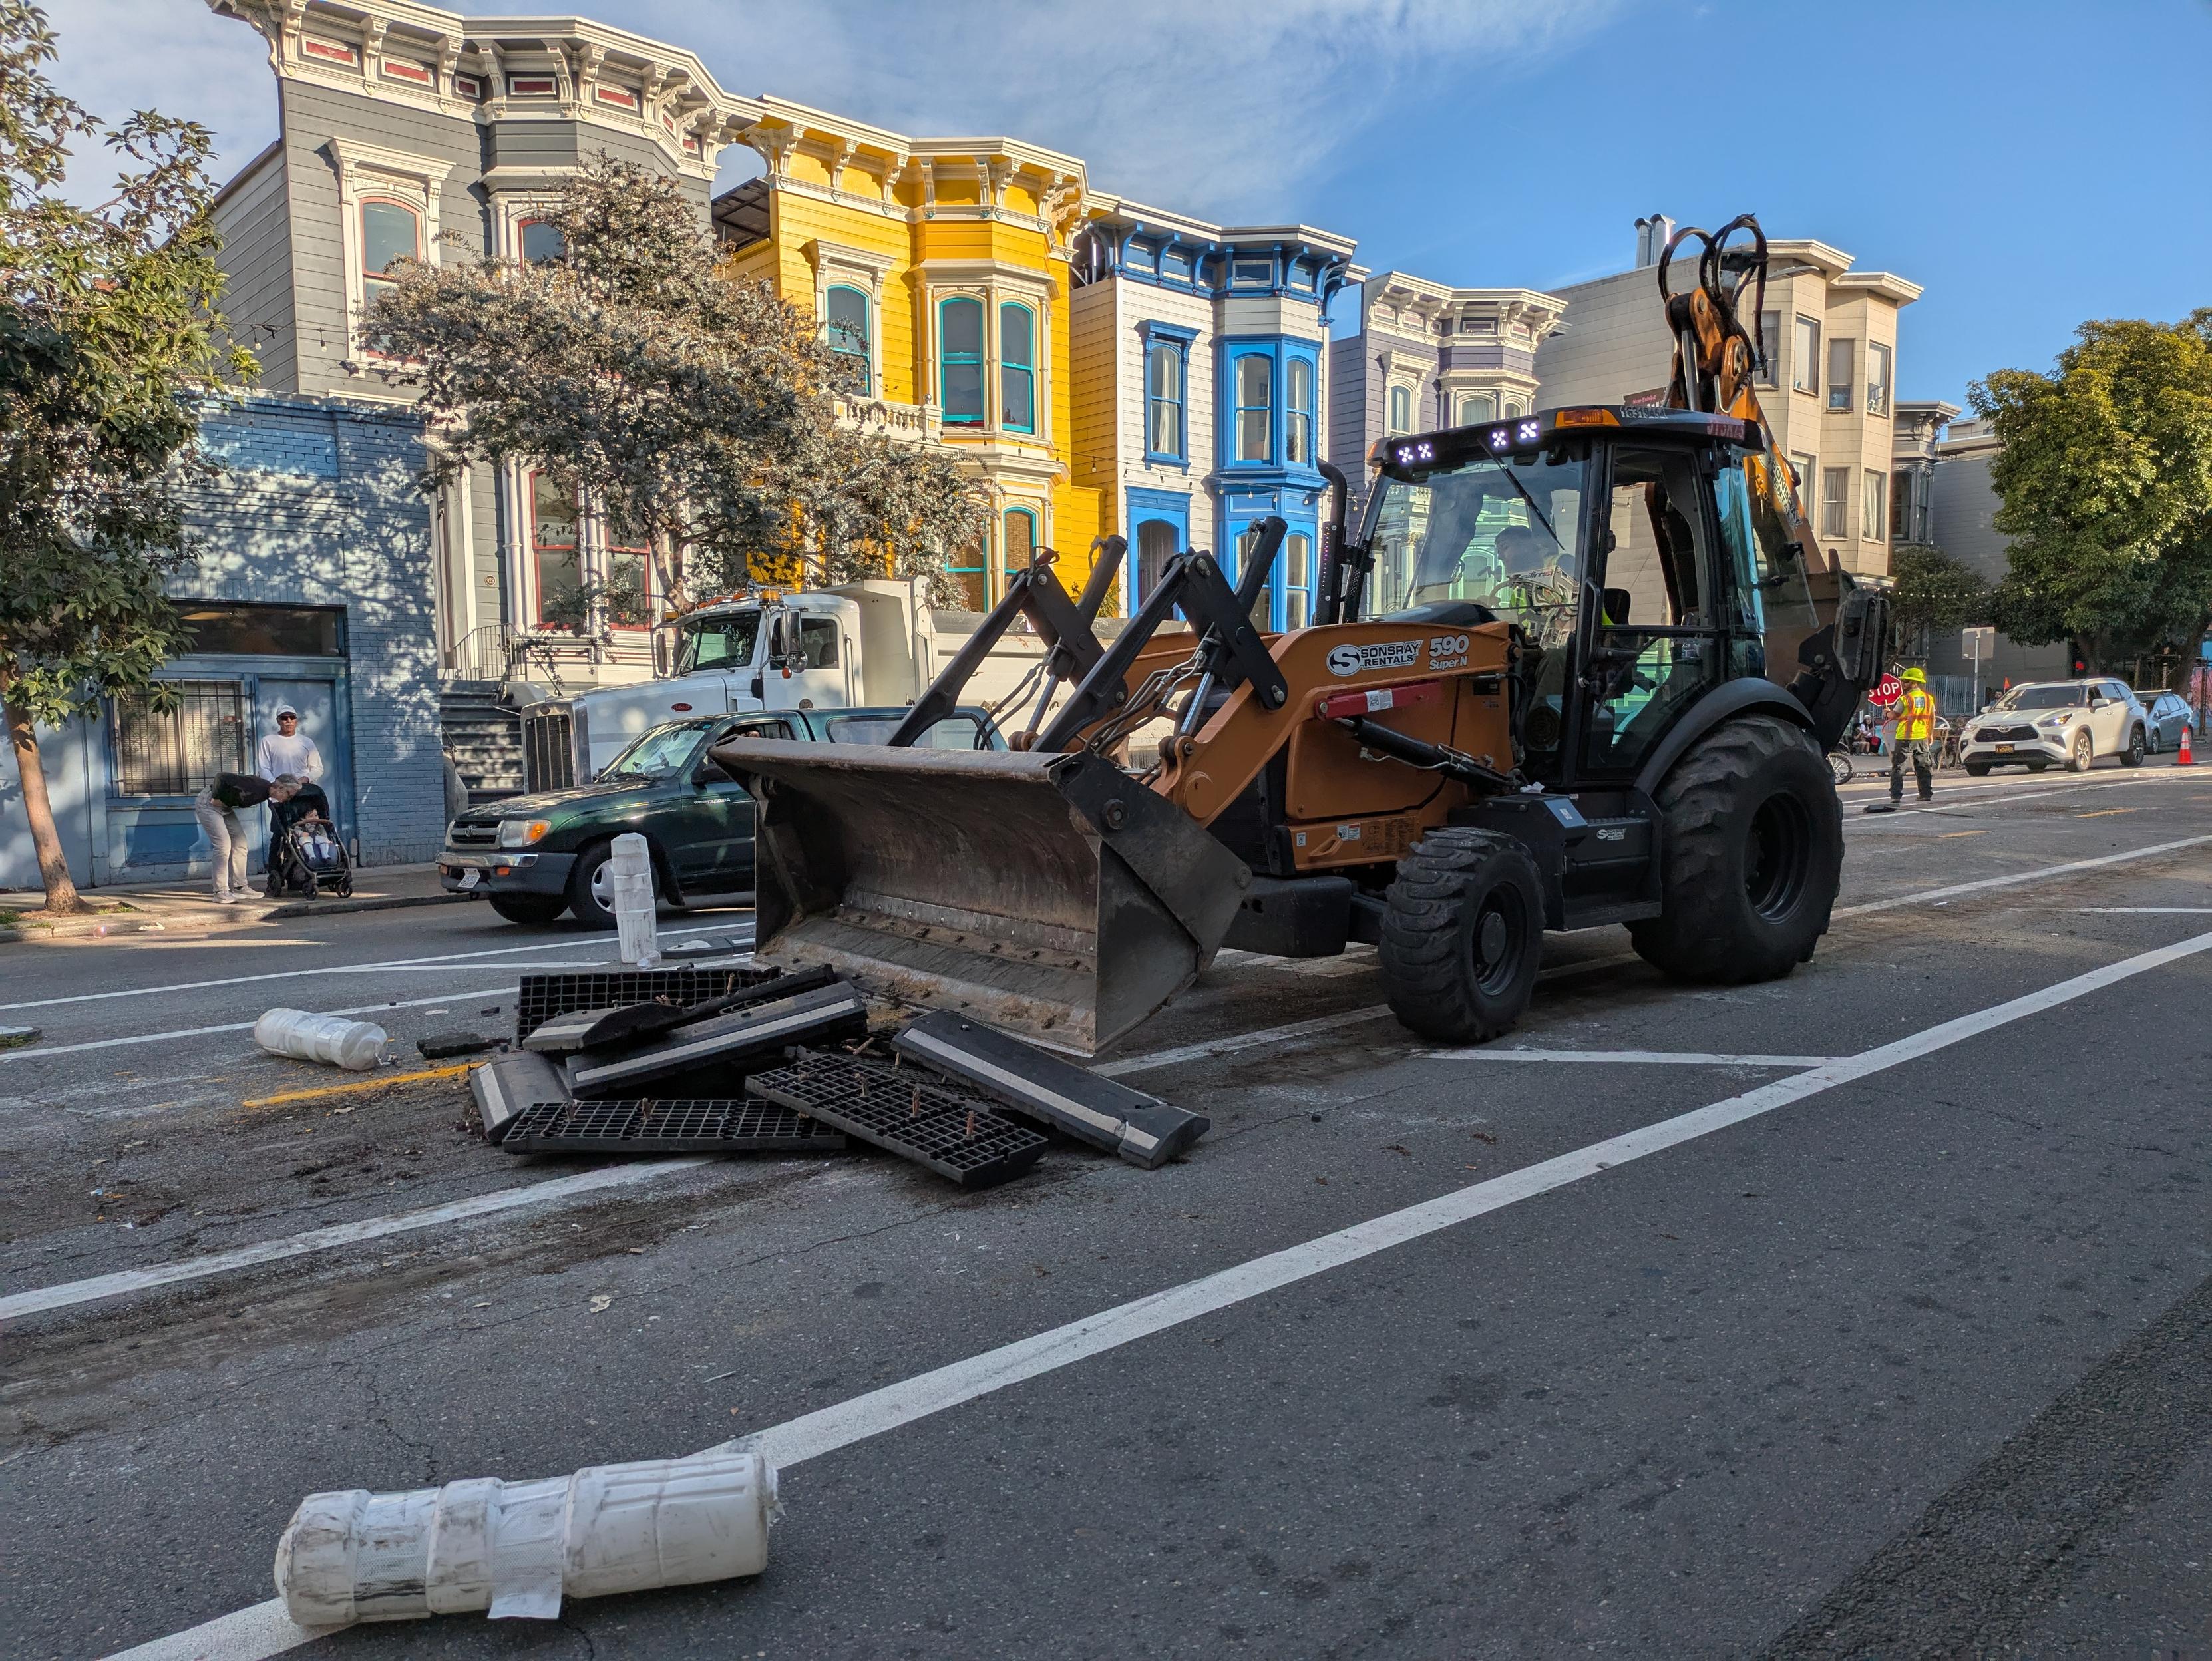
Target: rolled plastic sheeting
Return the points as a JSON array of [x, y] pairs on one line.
[[353, 1045], [517, 1548], [629, 883]]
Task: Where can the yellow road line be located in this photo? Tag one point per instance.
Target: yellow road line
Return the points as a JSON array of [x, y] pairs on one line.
[[356, 1088], [1948, 835], [2103, 812]]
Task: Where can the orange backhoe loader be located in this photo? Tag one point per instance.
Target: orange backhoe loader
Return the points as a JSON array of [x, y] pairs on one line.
[[1571, 669]]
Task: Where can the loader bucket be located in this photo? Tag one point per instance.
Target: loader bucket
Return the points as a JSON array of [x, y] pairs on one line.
[[1049, 895]]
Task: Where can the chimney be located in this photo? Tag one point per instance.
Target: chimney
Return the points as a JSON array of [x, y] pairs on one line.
[[1651, 236]]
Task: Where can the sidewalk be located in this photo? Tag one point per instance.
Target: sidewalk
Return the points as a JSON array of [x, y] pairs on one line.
[[159, 907]]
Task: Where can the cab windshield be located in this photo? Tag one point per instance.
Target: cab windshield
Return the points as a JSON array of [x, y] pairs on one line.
[[725, 642], [2042, 697], [1486, 529], [656, 754]]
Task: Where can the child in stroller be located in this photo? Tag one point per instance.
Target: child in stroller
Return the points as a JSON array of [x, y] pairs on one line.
[[305, 853]]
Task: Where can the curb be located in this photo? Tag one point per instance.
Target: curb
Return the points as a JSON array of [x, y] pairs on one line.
[[144, 923], [332, 907]]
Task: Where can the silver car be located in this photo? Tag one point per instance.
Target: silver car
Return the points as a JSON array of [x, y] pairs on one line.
[[2166, 716], [2058, 723]]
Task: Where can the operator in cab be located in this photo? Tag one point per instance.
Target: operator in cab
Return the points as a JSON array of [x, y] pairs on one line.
[[1916, 737]]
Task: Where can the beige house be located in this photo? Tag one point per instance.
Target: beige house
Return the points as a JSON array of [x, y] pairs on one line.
[[1829, 391]]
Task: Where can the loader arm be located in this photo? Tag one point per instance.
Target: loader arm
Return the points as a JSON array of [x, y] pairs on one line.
[[1820, 619]]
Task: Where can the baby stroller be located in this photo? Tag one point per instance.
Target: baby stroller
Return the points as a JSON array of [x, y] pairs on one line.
[[309, 858]]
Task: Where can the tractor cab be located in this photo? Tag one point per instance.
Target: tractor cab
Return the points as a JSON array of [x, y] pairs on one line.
[[1623, 545]]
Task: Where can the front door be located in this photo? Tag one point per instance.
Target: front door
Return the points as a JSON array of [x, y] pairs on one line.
[[1658, 643], [718, 854], [820, 662]]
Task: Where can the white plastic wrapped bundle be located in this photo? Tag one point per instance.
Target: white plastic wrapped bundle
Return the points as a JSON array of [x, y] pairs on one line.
[[629, 881], [516, 1548], [353, 1045]]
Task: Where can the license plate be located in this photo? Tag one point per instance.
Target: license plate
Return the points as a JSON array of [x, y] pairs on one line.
[[2004, 749], [469, 880]]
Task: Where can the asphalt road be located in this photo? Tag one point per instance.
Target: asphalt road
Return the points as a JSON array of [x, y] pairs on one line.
[[1865, 1313]]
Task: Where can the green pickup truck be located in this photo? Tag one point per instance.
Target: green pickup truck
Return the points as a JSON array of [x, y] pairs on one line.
[[536, 856]]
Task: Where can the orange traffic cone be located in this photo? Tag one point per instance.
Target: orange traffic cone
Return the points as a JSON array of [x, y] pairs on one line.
[[2185, 759]]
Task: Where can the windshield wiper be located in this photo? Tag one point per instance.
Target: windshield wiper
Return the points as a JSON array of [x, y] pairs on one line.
[[1514, 479]]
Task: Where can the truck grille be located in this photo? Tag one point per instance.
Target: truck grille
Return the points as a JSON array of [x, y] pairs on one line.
[[473, 833], [546, 760]]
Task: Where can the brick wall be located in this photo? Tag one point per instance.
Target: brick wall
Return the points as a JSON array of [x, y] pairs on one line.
[[319, 506]]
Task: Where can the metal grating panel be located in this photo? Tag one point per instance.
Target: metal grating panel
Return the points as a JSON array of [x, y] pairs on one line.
[[544, 996], [650, 1126], [898, 1110]]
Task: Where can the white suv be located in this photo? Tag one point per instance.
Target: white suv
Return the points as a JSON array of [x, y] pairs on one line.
[[2066, 723]]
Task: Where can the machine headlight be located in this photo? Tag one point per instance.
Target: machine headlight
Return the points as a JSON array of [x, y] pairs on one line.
[[520, 833], [2058, 720]]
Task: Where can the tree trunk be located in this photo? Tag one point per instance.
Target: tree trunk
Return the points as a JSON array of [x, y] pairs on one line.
[[38, 808]]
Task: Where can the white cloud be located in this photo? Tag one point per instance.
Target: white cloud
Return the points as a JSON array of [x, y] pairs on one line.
[[1229, 107]]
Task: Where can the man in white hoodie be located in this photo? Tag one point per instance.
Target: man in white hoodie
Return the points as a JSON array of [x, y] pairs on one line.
[[288, 749]]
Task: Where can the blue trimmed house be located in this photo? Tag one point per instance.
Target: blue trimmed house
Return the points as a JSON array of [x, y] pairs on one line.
[[1200, 361]]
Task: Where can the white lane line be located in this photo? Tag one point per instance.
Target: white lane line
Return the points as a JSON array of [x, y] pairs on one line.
[[1954, 801], [2042, 873], [580, 1186], [558, 1189], [255, 1633], [2145, 911], [1623, 1057], [36, 1051], [733, 929]]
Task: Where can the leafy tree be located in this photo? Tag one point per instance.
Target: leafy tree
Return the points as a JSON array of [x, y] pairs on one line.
[[108, 328], [698, 412], [2106, 477], [1932, 592]]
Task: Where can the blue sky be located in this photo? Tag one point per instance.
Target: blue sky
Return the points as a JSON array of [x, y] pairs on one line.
[[2029, 163]]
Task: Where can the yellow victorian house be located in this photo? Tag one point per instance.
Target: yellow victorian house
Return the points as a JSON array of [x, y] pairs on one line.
[[941, 266]]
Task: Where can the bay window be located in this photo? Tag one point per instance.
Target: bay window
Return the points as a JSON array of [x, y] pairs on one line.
[[1018, 544], [1401, 410], [1017, 367], [1255, 383], [556, 553], [1163, 400], [1805, 355], [1877, 377], [1478, 408], [1298, 411], [1874, 517], [389, 232], [960, 360], [1297, 580]]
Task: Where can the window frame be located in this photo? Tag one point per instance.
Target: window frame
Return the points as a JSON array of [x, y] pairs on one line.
[[1239, 411], [1478, 396], [1390, 419], [947, 359], [1835, 511], [1292, 415], [1298, 579], [1008, 368], [522, 229], [609, 550], [865, 355], [367, 171], [369, 282], [1874, 506], [1156, 337], [1805, 365], [1847, 388], [1877, 390], [1007, 517], [1768, 373], [178, 767], [1808, 483], [537, 552]]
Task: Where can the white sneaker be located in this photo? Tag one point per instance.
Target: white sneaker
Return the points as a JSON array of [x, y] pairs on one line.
[[230, 899]]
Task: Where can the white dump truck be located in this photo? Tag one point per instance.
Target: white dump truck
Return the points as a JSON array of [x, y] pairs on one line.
[[855, 646]]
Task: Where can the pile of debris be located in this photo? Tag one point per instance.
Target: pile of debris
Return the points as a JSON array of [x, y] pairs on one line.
[[749, 1060]]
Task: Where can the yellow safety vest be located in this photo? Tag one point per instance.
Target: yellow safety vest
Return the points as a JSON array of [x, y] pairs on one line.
[[1916, 715]]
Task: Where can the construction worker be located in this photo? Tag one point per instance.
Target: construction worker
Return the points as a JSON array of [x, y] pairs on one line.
[[1915, 737]]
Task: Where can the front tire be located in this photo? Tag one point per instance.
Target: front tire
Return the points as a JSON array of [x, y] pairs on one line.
[[529, 908], [1463, 935], [2079, 759], [1751, 855], [1976, 769], [2133, 755], [587, 887]]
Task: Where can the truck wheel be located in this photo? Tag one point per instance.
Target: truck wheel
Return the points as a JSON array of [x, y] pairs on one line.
[[1463, 935], [587, 887], [2079, 761], [1753, 851], [529, 908], [2133, 755]]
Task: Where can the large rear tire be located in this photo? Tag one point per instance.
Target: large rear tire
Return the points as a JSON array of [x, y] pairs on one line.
[[1751, 851], [1463, 935]]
